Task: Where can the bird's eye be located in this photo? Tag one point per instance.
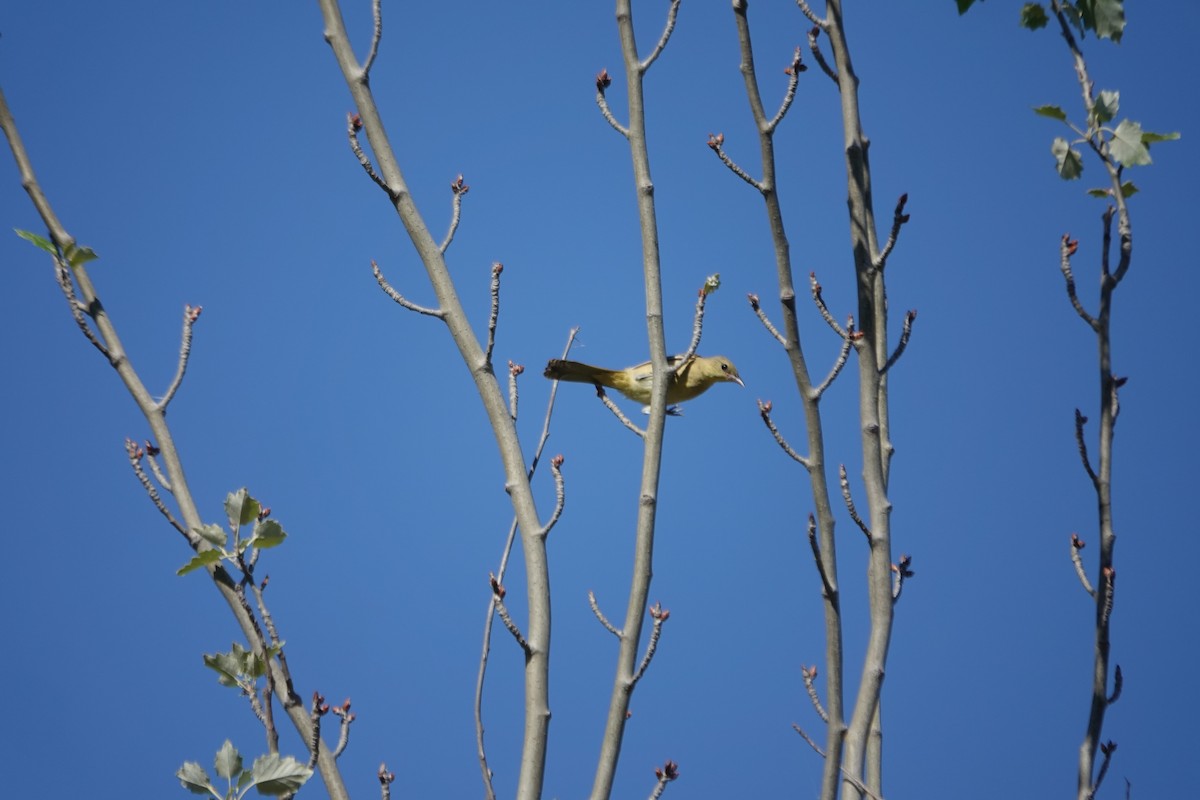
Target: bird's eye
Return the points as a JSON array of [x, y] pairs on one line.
[[724, 367]]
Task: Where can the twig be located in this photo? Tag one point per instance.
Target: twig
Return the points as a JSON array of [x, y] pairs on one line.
[[665, 774], [809, 675], [316, 710], [902, 344], [1110, 579], [62, 273], [1081, 443], [899, 218], [819, 300], [659, 615], [502, 610], [813, 38], [347, 717], [460, 189], [514, 370], [859, 785], [353, 126], [190, 315], [611, 406], [672, 13], [385, 782], [808, 12], [152, 456], [603, 81], [376, 35], [900, 573], [1077, 544], [843, 355], [1118, 685], [711, 284], [135, 455], [559, 495], [399, 298], [826, 587], [715, 142], [1066, 250], [600, 614], [793, 72], [762, 317], [764, 410], [494, 316], [845, 484], [1107, 748]]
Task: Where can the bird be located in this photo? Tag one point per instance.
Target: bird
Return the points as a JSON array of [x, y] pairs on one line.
[[687, 380]]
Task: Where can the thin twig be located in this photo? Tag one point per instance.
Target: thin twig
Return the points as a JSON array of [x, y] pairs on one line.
[[819, 300], [826, 587], [385, 782], [764, 410], [460, 189], [347, 717], [809, 675], [559, 495], [399, 298], [762, 317], [715, 142], [190, 315], [62, 273], [859, 785], [494, 316], [659, 615], [845, 484], [664, 775], [1081, 444], [793, 72], [376, 36], [808, 12], [600, 614], [902, 344], [135, 455], [814, 48], [316, 710], [899, 218], [353, 125], [603, 81], [514, 370], [672, 13], [1118, 685], [502, 610], [1066, 250], [843, 356], [711, 284], [1077, 545], [611, 406]]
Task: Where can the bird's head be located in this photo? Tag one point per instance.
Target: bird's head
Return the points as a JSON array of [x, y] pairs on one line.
[[720, 368]]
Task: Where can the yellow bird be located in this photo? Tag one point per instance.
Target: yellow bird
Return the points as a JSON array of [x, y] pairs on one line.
[[692, 379]]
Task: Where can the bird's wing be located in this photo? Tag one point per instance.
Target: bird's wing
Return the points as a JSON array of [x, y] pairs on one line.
[[644, 372]]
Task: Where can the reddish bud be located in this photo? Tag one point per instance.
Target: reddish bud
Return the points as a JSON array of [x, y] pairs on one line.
[[497, 268], [515, 369], [557, 461], [602, 80], [1076, 542], [356, 122]]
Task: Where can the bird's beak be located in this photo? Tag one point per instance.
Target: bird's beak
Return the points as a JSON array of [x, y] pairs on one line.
[[737, 380]]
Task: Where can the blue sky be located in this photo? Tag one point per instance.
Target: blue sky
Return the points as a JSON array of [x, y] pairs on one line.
[[200, 149]]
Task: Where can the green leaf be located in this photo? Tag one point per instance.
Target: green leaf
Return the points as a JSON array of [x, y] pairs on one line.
[[267, 533], [963, 5], [1100, 193], [1033, 16], [40, 242], [1106, 105], [228, 762], [201, 560], [1053, 112], [1126, 145], [241, 508], [195, 779], [213, 534], [276, 775], [78, 256], [227, 667], [1069, 161], [1149, 138], [1128, 189], [1105, 17]]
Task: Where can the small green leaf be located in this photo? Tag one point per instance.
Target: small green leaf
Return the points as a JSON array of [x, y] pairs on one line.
[[228, 762], [241, 508], [201, 560], [213, 534], [963, 5], [226, 666], [1105, 17], [1053, 112], [40, 242], [1128, 189], [1069, 161], [1033, 16], [1106, 105], [78, 256], [267, 533], [1149, 138], [1126, 145], [195, 779], [1100, 193], [277, 775]]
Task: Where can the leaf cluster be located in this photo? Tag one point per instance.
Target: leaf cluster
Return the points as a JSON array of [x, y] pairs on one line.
[[271, 774], [241, 509]]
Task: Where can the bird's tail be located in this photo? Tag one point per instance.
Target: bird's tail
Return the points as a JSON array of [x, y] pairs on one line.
[[577, 372]]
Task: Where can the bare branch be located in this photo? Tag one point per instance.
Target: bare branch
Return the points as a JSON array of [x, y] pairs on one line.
[[793, 72], [603, 81], [843, 356], [316, 710], [400, 299], [611, 406], [190, 315], [376, 35], [711, 284], [672, 13], [1067, 250], [815, 49], [1118, 685], [899, 219], [347, 717], [845, 484], [135, 454], [819, 300], [62, 274], [762, 317], [559, 495], [514, 370], [1081, 444], [764, 410], [502, 610], [902, 344], [600, 614], [494, 316], [1077, 545], [659, 615], [808, 12], [460, 189], [809, 674], [353, 126], [859, 785], [715, 142]]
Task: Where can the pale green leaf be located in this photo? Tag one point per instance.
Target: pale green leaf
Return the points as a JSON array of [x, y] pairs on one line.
[[195, 779], [268, 533], [1069, 161], [1106, 105], [213, 534], [1149, 138], [1033, 16], [241, 508], [1126, 145], [78, 256], [1054, 112], [228, 762], [1105, 17], [40, 242], [201, 560], [276, 775]]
